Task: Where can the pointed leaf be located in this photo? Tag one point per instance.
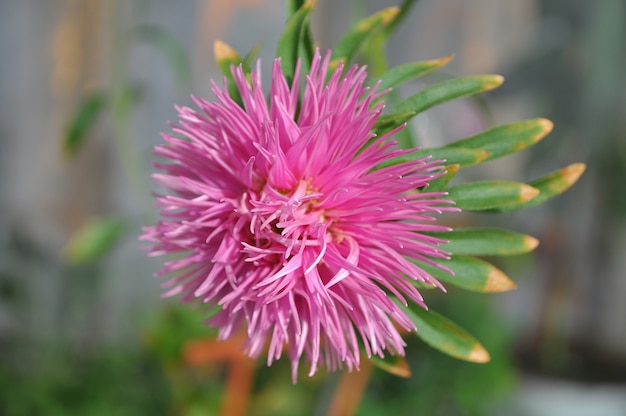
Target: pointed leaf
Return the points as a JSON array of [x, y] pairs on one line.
[[349, 44], [510, 138], [446, 91], [226, 57], [462, 157], [395, 365], [471, 273], [442, 334], [405, 7], [448, 156], [486, 242], [290, 45], [87, 114], [437, 185], [484, 195], [93, 241], [549, 186], [403, 73]]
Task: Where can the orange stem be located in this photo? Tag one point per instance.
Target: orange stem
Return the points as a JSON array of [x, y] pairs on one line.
[[350, 391]]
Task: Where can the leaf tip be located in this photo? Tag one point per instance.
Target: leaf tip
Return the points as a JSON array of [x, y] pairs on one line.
[[398, 366], [530, 243], [389, 14], [528, 192], [493, 81], [453, 168], [482, 155], [334, 64], [497, 282], [546, 128], [402, 369], [439, 62], [479, 355], [223, 52], [573, 172]]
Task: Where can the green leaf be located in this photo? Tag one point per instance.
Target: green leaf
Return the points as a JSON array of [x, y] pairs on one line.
[[486, 241], [226, 57], [251, 56], [471, 273], [389, 122], [405, 7], [437, 185], [484, 195], [449, 156], [93, 241], [290, 44], [395, 365], [293, 6], [403, 73], [172, 50], [90, 108], [510, 138], [442, 334], [549, 186], [349, 44], [462, 157], [446, 91]]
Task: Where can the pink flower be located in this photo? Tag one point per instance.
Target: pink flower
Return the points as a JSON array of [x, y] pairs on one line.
[[281, 214]]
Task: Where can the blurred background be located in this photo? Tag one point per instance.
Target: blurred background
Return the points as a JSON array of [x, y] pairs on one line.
[[86, 86]]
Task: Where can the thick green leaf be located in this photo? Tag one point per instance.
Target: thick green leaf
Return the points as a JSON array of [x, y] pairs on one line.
[[442, 334], [349, 44], [484, 195], [94, 240], [438, 185], [290, 44], [446, 91], [172, 50], [395, 365], [471, 273], [403, 73], [486, 242], [226, 57], [87, 114], [510, 138], [549, 186], [462, 157]]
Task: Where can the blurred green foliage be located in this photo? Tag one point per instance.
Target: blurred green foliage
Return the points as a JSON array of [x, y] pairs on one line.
[[112, 381]]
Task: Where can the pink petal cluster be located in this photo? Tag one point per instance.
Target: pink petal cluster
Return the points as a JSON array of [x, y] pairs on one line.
[[285, 214]]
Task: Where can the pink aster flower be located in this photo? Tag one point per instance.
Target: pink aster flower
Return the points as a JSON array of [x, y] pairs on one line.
[[287, 214]]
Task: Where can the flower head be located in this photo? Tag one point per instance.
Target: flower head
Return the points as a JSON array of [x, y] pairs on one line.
[[289, 214]]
